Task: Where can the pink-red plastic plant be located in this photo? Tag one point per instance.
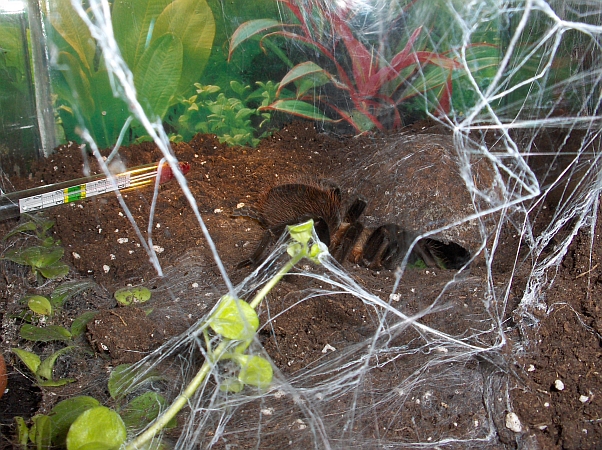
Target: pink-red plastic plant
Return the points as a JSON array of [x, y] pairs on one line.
[[372, 83]]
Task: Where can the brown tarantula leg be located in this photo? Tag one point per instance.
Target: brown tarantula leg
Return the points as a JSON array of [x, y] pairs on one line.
[[426, 249], [374, 247], [346, 242], [250, 212], [258, 254], [355, 211]]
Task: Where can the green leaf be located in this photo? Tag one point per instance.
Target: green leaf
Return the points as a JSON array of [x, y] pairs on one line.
[[99, 426], [79, 90], [193, 22], [39, 305], [56, 270], [39, 256], [124, 381], [40, 431], [132, 22], [22, 431], [317, 75], [31, 360], [45, 368], [27, 226], [297, 108], [302, 232], [250, 29], [64, 414], [109, 114], [81, 322], [48, 241], [158, 73], [47, 334], [255, 371], [129, 295], [231, 385], [234, 319], [68, 289], [55, 383], [74, 30], [143, 409], [15, 256], [238, 87]]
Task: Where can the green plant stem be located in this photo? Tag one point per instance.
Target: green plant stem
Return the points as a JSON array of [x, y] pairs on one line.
[[178, 403], [185, 396], [274, 281]]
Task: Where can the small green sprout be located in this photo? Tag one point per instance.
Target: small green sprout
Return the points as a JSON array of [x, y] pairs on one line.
[[129, 295], [39, 305], [42, 370], [43, 259]]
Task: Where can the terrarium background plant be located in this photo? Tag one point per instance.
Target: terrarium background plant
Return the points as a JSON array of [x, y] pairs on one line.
[[165, 44], [372, 81], [235, 120]]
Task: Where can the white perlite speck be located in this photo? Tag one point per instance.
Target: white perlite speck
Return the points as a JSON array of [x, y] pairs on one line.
[[122, 240], [106, 268], [559, 385], [328, 347], [513, 423], [267, 411]]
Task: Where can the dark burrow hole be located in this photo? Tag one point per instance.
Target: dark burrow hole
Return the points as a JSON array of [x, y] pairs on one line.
[[450, 255]]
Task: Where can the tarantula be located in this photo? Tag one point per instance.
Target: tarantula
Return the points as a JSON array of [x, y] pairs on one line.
[[344, 234]]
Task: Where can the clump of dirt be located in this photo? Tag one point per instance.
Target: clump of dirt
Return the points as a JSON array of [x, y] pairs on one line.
[[101, 244]]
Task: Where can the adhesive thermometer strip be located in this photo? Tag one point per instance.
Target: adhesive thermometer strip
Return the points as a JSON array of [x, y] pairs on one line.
[[72, 193]]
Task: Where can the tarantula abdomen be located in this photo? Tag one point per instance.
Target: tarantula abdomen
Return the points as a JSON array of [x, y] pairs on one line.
[[292, 203]]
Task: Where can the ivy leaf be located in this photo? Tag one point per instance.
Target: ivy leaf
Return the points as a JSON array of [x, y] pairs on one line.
[[98, 427], [39, 305], [56, 383], [143, 409], [64, 414], [45, 368], [21, 228], [124, 381], [22, 431], [68, 289], [255, 371], [31, 360], [47, 334], [39, 257], [301, 233], [40, 431], [234, 319], [55, 270], [231, 385], [79, 324], [129, 295]]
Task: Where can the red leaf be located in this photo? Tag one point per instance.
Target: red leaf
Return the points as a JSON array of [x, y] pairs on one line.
[[445, 100], [295, 10], [361, 58]]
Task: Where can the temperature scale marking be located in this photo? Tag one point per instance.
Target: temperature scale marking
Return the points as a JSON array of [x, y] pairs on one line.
[[73, 193]]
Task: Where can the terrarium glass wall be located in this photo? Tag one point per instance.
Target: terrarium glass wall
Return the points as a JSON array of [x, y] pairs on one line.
[[19, 133]]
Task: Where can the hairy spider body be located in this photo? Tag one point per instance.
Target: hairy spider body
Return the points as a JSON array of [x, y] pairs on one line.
[[347, 238]]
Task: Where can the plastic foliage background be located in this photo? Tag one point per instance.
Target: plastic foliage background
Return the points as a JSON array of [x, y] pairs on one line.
[[509, 69]]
